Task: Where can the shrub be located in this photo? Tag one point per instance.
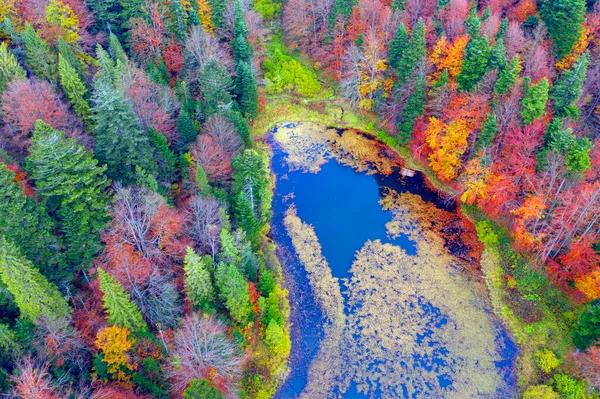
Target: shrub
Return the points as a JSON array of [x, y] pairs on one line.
[[546, 360]]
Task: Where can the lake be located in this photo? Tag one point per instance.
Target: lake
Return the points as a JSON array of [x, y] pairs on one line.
[[383, 273]]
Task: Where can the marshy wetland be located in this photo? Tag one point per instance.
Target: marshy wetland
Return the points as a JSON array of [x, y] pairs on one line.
[[384, 279]]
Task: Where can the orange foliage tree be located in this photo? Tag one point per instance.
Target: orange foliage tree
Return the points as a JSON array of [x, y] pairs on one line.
[[447, 142], [449, 56], [114, 342]]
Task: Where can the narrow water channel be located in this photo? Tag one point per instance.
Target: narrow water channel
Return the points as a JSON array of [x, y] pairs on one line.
[[415, 321]]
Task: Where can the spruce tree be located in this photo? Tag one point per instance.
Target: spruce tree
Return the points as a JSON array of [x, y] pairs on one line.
[[398, 46], [533, 104], [414, 107], [197, 281], [413, 55], [74, 89], [489, 130], [35, 296], [246, 91], [218, 9], [116, 50], [38, 57], [122, 311], [215, 86], [242, 51], [564, 20], [341, 10], [179, 16], [508, 76], [233, 290], [568, 88], [578, 155], [9, 68], [73, 186], [165, 158], [120, 141], [25, 222], [476, 55], [186, 130], [194, 16], [67, 52], [497, 58]]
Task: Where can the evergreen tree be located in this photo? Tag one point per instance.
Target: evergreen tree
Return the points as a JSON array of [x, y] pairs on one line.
[[533, 104], [165, 158], [398, 46], [186, 130], [69, 179], [414, 53], [38, 57], [33, 294], [246, 91], [120, 141], [116, 50], [25, 222], [67, 52], [179, 16], [489, 130], [250, 187], [414, 107], [587, 330], [476, 55], [507, 76], [501, 34], [74, 89], [341, 10], [235, 117], [578, 155], [194, 16], [197, 281], [398, 5], [568, 88], [9, 67], [233, 290], [564, 20], [242, 51], [215, 86], [218, 9], [122, 311], [497, 58], [201, 389]]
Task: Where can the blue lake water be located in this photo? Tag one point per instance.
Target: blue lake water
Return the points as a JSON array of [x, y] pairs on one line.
[[343, 207]]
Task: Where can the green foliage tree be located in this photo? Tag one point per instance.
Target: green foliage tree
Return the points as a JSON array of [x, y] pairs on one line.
[[178, 25], [233, 290], [575, 150], [74, 89], [122, 311], [246, 91], [414, 107], [9, 67], [564, 20], [489, 130], [476, 55], [201, 389], [73, 186], [197, 281], [570, 388], [242, 51], [120, 141], [413, 54], [25, 222], [277, 340], [568, 87], [546, 360], [268, 9], [217, 8], [165, 158], [497, 58], [116, 50], [186, 130], [508, 76], [540, 392], [38, 57], [398, 46], [533, 104], [252, 193], [215, 85], [33, 294], [587, 329], [578, 155]]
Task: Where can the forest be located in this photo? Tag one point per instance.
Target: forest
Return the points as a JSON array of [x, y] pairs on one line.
[[136, 259]]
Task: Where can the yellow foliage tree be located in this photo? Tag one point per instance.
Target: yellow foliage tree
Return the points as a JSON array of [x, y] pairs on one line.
[[114, 342], [205, 15], [371, 72], [8, 10], [448, 56], [475, 177], [447, 142], [589, 285], [63, 21]]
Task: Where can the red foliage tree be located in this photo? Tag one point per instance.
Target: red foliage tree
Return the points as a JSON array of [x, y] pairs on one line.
[[453, 17]]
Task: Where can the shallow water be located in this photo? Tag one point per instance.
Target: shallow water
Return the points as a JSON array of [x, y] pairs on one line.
[[343, 206]]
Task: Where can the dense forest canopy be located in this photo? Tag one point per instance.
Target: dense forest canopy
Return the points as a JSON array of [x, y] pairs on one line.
[[135, 198]]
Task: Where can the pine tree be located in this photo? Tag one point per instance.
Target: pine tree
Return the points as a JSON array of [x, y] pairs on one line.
[[74, 89], [33, 294], [69, 179], [242, 51], [120, 141], [476, 55], [398, 46], [186, 130], [197, 281], [9, 67], [564, 20], [250, 187], [246, 91], [25, 222], [233, 290], [414, 107], [122, 311], [533, 104], [215, 86], [179, 16], [507, 76], [568, 88], [38, 57], [413, 55]]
